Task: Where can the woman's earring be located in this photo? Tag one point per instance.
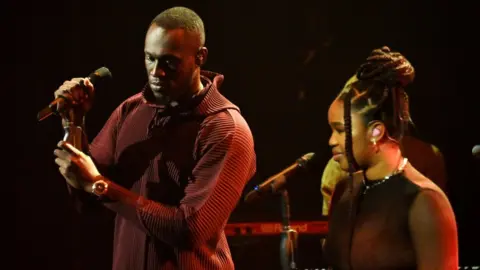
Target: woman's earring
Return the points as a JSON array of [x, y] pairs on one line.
[[374, 142]]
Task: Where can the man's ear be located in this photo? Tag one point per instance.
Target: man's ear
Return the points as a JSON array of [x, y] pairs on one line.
[[202, 55]]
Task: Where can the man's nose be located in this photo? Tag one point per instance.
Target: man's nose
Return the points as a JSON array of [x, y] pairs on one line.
[[157, 70]]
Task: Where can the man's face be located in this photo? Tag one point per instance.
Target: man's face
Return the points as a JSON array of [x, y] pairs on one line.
[[170, 61]]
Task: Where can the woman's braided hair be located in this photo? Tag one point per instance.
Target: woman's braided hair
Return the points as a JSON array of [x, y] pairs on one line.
[[377, 93]]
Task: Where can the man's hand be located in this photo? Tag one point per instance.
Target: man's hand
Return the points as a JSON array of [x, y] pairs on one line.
[[76, 167], [79, 93]]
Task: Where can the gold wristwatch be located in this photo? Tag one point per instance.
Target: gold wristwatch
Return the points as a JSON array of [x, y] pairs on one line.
[[100, 187]]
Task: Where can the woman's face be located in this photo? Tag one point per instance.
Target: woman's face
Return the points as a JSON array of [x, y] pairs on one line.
[[361, 144]]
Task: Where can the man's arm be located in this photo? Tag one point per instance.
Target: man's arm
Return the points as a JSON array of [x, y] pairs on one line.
[[103, 149], [226, 163], [434, 232]]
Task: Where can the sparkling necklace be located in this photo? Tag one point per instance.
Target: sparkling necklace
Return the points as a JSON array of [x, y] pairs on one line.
[[376, 183]]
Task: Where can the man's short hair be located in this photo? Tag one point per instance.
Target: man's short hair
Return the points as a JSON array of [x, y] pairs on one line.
[[181, 18]]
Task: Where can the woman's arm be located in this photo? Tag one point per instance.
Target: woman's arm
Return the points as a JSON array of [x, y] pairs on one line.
[[434, 231]]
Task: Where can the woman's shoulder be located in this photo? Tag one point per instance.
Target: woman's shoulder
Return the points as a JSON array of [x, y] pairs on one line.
[[419, 183]]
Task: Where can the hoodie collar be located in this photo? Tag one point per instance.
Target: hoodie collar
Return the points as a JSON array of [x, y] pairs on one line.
[[208, 101]]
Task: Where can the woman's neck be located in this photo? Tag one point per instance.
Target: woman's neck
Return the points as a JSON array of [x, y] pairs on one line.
[[385, 162]]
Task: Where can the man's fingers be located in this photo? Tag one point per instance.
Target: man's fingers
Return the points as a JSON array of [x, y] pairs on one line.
[[66, 163], [63, 171], [77, 80], [87, 82], [69, 148], [66, 173], [61, 154]]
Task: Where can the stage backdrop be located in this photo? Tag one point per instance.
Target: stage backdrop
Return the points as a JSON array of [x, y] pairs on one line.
[[283, 65]]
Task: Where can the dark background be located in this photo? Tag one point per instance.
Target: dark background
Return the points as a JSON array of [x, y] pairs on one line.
[[261, 49]]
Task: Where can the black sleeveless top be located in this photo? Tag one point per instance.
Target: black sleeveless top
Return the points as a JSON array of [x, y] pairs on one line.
[[376, 235]]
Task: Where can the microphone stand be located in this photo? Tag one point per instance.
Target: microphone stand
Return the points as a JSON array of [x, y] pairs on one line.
[[73, 135], [74, 129], [289, 236]]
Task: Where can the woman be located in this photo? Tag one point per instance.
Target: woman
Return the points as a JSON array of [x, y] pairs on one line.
[[425, 157], [388, 215]]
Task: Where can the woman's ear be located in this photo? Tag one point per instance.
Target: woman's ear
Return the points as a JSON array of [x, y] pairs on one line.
[[376, 131]]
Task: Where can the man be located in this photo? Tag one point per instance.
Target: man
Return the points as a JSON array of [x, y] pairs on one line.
[[171, 161], [426, 158]]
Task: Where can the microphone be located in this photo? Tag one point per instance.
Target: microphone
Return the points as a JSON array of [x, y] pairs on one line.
[[278, 181], [52, 108], [476, 151]]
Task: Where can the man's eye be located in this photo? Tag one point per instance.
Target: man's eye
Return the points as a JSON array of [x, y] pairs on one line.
[[171, 65], [149, 58]]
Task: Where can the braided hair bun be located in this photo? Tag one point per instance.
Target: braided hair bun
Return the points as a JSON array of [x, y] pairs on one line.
[[390, 68]]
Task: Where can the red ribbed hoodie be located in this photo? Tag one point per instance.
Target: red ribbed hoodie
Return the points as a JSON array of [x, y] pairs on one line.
[[190, 163]]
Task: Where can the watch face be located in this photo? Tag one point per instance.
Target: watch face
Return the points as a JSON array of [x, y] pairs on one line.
[[100, 187]]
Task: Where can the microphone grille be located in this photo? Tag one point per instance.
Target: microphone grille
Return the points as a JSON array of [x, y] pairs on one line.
[[102, 72], [476, 150], [100, 75], [302, 162]]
